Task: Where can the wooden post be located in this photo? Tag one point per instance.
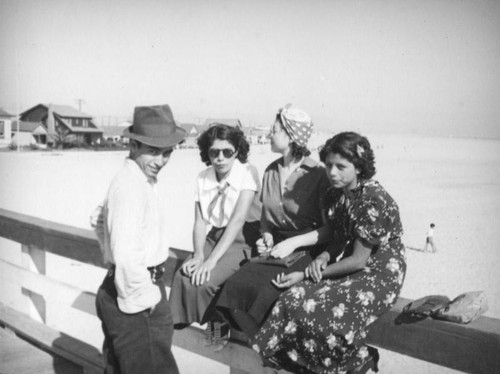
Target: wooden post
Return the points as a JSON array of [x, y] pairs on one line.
[[34, 259]]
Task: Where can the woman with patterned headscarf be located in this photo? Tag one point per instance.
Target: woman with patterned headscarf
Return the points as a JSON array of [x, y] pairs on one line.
[[292, 188]]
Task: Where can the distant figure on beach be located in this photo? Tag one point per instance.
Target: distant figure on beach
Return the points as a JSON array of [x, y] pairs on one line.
[[131, 302], [320, 324], [429, 240], [292, 188], [226, 202]]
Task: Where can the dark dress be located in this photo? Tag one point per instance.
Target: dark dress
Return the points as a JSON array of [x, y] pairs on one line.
[[321, 327], [248, 295]]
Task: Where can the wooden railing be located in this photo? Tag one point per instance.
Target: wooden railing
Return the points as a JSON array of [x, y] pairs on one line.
[[472, 348]]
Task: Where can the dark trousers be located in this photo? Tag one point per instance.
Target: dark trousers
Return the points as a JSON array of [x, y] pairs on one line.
[[135, 343]]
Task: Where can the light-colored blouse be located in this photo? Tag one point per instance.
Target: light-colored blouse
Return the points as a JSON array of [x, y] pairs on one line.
[[218, 198]]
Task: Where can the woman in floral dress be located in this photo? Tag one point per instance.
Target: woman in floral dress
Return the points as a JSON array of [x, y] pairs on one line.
[[320, 324]]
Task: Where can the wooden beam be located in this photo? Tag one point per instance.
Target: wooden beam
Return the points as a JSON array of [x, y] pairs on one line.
[[51, 340], [71, 242], [471, 348], [53, 291]]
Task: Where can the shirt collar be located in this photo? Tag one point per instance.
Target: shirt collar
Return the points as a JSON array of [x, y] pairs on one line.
[[137, 171], [307, 163]]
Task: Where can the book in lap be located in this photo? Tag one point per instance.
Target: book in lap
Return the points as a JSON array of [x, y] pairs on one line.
[[285, 261]]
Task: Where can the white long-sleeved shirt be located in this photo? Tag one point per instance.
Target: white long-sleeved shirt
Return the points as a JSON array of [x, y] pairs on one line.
[[132, 237]]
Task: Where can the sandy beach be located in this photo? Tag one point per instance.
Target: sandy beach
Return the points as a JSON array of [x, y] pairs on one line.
[[453, 183]]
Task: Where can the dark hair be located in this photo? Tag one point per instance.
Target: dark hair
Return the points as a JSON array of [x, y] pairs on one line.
[[354, 148], [223, 132], [433, 225], [296, 150]]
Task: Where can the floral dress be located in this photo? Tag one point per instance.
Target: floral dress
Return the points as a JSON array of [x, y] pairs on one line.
[[321, 327]]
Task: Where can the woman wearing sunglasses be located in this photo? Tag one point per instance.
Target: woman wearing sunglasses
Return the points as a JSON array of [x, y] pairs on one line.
[[292, 188], [228, 208]]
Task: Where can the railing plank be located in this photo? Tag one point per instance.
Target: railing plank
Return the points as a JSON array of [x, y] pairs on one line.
[[51, 340], [63, 240], [472, 348]]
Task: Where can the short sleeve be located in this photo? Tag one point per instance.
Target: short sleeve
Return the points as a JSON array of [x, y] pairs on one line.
[[197, 187], [251, 179], [372, 222]]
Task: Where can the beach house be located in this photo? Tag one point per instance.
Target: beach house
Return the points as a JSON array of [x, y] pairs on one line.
[[76, 126], [193, 131], [28, 134], [5, 127]]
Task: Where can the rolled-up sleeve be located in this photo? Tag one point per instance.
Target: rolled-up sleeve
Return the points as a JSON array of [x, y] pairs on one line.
[[126, 217]]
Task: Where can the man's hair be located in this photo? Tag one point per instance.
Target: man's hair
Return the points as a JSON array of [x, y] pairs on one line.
[[355, 148], [223, 132], [433, 225]]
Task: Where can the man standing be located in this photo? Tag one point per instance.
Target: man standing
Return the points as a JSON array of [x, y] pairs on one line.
[[429, 239], [131, 302]]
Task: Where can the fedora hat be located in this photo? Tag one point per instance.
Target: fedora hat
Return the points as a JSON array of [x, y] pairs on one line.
[[155, 126]]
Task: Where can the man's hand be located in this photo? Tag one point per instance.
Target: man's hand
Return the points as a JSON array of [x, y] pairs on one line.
[[97, 223], [288, 280]]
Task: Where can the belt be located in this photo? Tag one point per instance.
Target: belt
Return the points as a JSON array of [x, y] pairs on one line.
[[156, 272]]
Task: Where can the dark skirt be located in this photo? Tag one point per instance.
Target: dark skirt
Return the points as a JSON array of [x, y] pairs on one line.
[[247, 297], [191, 303]]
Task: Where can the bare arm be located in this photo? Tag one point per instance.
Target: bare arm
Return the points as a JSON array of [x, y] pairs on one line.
[[357, 261], [289, 245], [233, 228], [199, 238], [199, 232]]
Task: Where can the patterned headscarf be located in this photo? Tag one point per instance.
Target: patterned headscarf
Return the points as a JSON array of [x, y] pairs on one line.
[[297, 124]]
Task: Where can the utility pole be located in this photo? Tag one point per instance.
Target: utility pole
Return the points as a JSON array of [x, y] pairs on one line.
[[80, 102]]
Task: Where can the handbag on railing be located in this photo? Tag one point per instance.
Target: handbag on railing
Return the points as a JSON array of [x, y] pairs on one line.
[[464, 308], [425, 306]]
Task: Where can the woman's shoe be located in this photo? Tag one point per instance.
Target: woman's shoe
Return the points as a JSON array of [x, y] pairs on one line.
[[271, 362], [220, 337], [209, 333], [370, 364]]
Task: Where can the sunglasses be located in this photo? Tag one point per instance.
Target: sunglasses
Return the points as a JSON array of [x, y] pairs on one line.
[[226, 152]]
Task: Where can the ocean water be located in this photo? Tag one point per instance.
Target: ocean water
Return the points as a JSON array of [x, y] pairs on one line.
[[453, 183]]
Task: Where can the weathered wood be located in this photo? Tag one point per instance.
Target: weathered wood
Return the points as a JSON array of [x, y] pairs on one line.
[[472, 348], [53, 291], [235, 354], [18, 356], [71, 242], [51, 340]]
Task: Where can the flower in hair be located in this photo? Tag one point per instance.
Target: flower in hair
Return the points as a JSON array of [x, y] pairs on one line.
[[360, 150]]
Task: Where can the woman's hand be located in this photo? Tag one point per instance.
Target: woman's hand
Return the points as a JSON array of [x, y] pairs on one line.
[[191, 265], [288, 280], [315, 269], [202, 274], [283, 249], [265, 244]]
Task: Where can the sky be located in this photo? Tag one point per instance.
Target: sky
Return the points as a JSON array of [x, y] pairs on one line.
[[374, 66]]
